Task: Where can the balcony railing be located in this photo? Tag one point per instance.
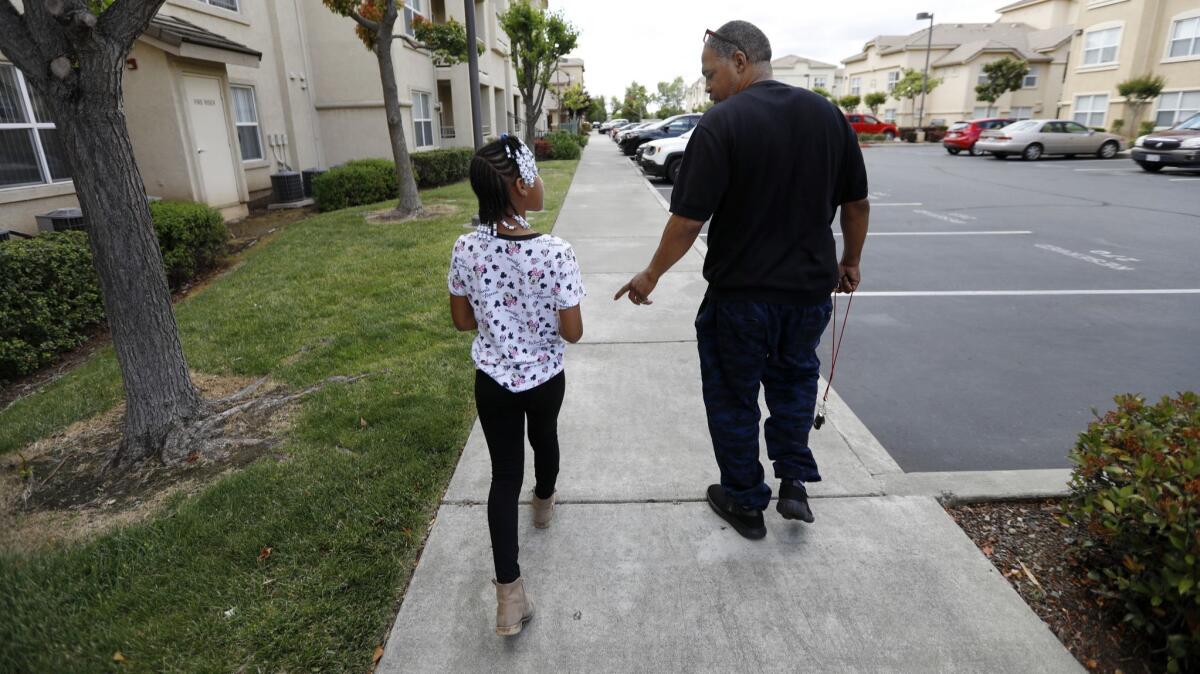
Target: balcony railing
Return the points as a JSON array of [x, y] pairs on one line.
[[447, 132]]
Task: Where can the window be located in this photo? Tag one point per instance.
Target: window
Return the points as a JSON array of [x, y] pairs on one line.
[[1176, 106], [982, 78], [1031, 78], [422, 119], [819, 81], [893, 78], [981, 111], [889, 115], [1100, 46], [855, 85], [413, 9], [231, 5], [1090, 110], [30, 150], [1022, 111], [1185, 38], [245, 114], [1072, 127]]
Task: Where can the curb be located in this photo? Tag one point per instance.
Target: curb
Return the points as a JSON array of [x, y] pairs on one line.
[[956, 488]]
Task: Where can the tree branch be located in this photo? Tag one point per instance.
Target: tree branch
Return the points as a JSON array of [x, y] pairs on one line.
[[363, 21], [18, 42], [125, 20]]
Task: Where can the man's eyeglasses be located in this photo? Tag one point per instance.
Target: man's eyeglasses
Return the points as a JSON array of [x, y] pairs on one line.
[[713, 33]]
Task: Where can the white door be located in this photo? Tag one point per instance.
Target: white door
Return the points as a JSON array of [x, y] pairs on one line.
[[210, 140]]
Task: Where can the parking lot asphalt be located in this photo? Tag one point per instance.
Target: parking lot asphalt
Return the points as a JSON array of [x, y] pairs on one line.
[[1003, 300]]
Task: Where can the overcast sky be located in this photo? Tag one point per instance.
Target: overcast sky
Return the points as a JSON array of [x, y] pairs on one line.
[[656, 40]]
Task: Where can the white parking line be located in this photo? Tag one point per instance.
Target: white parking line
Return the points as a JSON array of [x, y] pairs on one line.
[[998, 232], [1018, 293], [1184, 180], [1121, 170], [913, 203]]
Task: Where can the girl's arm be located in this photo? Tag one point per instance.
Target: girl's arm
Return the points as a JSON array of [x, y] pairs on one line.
[[570, 324], [462, 314]]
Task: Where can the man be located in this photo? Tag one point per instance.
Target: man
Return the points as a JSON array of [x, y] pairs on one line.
[[770, 164]]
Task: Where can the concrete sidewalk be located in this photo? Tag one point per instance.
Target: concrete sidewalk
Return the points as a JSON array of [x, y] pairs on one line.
[[637, 574]]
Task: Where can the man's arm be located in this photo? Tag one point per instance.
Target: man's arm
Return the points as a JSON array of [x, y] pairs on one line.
[[677, 238], [855, 217]]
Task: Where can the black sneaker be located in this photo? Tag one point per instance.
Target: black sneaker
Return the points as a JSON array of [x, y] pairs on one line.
[[793, 501], [748, 523]]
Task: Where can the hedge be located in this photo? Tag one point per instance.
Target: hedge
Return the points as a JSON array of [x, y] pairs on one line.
[[49, 299], [49, 293], [191, 236], [933, 134], [563, 145], [1135, 491], [368, 181]]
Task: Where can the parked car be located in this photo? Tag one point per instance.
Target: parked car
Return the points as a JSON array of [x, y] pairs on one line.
[[672, 127], [1176, 146], [962, 135], [872, 124], [661, 158], [1032, 139], [605, 126], [616, 134]]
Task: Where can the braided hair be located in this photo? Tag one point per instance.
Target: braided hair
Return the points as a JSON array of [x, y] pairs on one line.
[[493, 169]]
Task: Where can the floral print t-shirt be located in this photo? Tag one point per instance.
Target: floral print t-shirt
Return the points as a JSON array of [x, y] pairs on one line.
[[516, 285]]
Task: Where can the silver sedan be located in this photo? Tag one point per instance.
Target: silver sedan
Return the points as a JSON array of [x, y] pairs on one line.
[[1031, 139]]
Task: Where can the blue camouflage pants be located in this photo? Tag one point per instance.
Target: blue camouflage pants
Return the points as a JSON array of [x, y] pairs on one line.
[[744, 345]]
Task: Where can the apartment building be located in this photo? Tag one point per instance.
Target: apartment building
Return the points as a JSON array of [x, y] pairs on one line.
[[799, 71], [220, 94], [695, 97], [567, 73], [957, 53]]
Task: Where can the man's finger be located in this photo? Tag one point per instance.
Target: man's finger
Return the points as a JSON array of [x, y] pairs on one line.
[[624, 289]]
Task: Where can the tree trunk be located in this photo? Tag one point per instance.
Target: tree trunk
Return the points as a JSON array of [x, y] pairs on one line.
[[410, 198], [532, 114], [159, 396]]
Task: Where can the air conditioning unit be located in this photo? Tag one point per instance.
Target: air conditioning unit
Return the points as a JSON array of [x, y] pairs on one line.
[[61, 220], [9, 235], [309, 174], [287, 187]]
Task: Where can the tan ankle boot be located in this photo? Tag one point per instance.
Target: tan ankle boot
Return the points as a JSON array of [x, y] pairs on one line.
[[543, 511], [513, 608]]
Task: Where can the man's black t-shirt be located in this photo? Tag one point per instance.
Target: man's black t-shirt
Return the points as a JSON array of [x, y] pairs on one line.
[[770, 166]]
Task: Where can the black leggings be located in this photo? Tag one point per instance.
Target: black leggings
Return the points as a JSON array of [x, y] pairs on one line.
[[502, 414]]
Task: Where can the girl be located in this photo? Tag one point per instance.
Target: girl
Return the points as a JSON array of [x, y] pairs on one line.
[[521, 291]]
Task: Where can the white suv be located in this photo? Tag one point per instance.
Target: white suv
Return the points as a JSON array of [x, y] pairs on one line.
[[661, 158]]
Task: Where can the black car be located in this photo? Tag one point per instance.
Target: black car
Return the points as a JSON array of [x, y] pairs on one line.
[[668, 128]]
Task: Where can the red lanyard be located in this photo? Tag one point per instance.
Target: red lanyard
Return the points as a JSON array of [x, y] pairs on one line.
[[836, 341]]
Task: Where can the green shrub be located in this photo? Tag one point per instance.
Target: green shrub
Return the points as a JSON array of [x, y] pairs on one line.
[[1117, 125], [1135, 489], [541, 149], [191, 236], [1145, 128], [563, 145], [582, 140], [442, 167], [49, 299], [870, 137], [362, 181]]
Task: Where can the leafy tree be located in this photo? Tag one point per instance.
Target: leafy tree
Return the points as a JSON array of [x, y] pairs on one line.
[[1139, 91], [704, 107], [873, 100], [447, 41], [72, 53], [1003, 76], [537, 39], [912, 83], [615, 104], [666, 111], [670, 94], [596, 112], [849, 102], [575, 99], [822, 91], [636, 100]]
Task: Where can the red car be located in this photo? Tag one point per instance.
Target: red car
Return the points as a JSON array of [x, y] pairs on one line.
[[962, 135], [872, 124]]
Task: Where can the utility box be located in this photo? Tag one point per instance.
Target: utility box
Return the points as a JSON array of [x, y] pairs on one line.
[[287, 187], [61, 220], [309, 174]]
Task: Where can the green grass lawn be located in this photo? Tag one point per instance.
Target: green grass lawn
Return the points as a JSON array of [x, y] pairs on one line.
[[345, 512]]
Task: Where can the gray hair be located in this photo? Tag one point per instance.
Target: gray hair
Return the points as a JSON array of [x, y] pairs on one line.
[[750, 41]]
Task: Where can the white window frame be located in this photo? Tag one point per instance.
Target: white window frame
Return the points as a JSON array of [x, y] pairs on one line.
[[1179, 113], [889, 115], [855, 85], [1088, 121], [257, 123], [416, 95], [987, 112], [1018, 109], [819, 81], [32, 125], [1030, 81], [237, 5], [414, 8], [893, 78], [1118, 28], [1176, 20], [982, 77]]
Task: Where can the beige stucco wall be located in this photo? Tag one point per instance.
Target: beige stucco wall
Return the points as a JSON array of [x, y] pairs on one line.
[[1146, 25], [1044, 15]]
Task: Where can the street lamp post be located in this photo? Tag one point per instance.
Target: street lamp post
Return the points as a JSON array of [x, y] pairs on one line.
[[473, 67], [925, 78]]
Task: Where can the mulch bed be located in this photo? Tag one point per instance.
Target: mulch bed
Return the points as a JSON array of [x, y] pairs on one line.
[[1033, 550]]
